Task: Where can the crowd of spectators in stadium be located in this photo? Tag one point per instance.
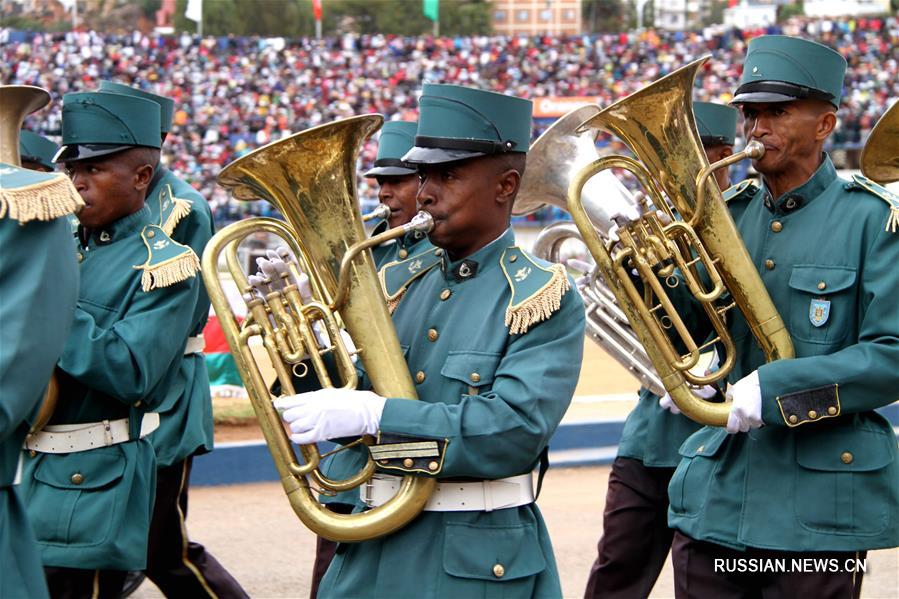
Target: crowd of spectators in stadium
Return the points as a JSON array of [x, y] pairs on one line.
[[235, 94]]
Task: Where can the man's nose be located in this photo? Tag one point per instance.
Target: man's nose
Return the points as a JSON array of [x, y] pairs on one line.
[[425, 195]]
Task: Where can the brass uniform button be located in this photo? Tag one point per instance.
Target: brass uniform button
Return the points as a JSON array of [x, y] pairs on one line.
[[513, 258], [832, 410], [438, 252], [444, 295], [432, 466], [793, 419], [822, 285], [812, 414], [777, 226], [77, 478], [138, 403], [80, 256], [499, 571], [385, 462], [769, 264], [151, 233], [433, 334], [403, 253], [408, 463], [475, 377], [420, 376], [846, 457]]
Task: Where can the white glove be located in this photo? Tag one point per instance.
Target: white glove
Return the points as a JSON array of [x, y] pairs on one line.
[[746, 409], [330, 413], [668, 404]]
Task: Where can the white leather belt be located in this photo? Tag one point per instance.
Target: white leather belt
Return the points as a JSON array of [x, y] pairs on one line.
[[478, 496], [72, 438], [195, 345]]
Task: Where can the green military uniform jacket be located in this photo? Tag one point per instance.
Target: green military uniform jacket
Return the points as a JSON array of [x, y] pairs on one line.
[[137, 297], [39, 286], [822, 474], [186, 424], [496, 362]]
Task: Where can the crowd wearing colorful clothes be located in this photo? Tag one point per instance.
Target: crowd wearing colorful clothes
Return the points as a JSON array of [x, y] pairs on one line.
[[235, 94]]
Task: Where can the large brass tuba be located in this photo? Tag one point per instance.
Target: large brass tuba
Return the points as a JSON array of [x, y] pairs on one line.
[[658, 125], [310, 178], [880, 156], [553, 161]]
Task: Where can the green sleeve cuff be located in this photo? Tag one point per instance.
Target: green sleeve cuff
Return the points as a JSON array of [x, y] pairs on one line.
[[399, 449]]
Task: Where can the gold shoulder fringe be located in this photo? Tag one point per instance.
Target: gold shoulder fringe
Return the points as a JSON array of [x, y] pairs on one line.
[[171, 271], [393, 302], [180, 209], [892, 225], [539, 306], [41, 201]]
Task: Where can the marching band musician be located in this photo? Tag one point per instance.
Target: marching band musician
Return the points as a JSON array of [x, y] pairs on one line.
[[805, 468], [494, 340], [636, 537], [397, 189], [89, 476], [177, 565], [39, 285]]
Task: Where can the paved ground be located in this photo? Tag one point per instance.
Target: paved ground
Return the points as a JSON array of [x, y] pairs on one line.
[[254, 533]]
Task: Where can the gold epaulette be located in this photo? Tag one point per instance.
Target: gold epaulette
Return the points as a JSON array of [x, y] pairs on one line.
[[746, 186], [27, 195], [892, 200], [171, 209], [536, 290], [168, 262]]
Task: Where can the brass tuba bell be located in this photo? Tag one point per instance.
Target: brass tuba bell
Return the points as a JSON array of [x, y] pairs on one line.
[[310, 177], [880, 156], [658, 125]]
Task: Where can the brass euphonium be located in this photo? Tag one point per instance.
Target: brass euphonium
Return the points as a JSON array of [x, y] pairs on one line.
[[379, 211], [658, 125], [553, 161], [17, 102], [310, 177], [880, 156]]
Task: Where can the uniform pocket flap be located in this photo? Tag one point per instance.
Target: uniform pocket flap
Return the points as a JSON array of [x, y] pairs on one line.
[[472, 367], [83, 470], [845, 450], [821, 280], [494, 553], [705, 442]]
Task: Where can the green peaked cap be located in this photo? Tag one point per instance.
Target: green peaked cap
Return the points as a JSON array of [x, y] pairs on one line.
[[458, 122], [717, 123], [780, 68], [99, 123], [397, 138], [37, 148], [166, 105]]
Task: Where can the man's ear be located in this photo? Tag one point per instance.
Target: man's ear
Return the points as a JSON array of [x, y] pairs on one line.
[[507, 185], [726, 151], [142, 176], [827, 122]]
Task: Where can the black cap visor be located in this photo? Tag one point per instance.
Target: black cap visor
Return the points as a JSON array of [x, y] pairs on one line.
[[390, 167], [778, 91], [418, 155], [73, 152]]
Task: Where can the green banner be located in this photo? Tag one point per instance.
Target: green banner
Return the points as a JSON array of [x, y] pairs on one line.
[[431, 9]]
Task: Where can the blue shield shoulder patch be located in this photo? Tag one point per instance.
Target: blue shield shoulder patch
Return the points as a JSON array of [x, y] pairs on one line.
[[819, 311]]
